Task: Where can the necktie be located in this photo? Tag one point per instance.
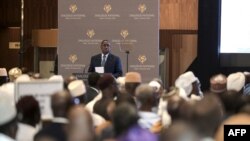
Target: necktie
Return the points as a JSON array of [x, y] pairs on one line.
[[103, 60]]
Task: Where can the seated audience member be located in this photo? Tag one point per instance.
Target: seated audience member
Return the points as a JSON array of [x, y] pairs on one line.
[[218, 83], [147, 101], [108, 86], [60, 104], [14, 73], [80, 127], [180, 131], [132, 81], [238, 119], [8, 121], [207, 116], [28, 116], [162, 107], [236, 82], [229, 97], [158, 87], [126, 127], [190, 84], [92, 89], [3, 76], [77, 90]]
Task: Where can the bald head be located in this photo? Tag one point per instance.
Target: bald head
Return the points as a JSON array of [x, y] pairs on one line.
[[60, 103], [80, 126], [145, 95]]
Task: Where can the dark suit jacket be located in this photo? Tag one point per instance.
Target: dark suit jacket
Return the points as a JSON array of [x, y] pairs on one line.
[[54, 130], [113, 64], [90, 94]]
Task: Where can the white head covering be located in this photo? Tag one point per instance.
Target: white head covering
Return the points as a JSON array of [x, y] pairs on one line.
[[77, 88], [9, 89], [23, 78], [7, 108], [236, 81], [121, 81], [156, 85], [56, 78], [185, 81]]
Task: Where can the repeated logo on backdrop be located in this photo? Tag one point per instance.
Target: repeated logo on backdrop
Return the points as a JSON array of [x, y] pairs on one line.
[[73, 8], [130, 25]]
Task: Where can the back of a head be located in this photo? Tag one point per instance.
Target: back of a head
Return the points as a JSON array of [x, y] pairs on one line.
[[207, 115], [60, 103], [124, 117], [28, 110], [174, 104], [108, 86], [145, 95], [93, 79], [80, 126]]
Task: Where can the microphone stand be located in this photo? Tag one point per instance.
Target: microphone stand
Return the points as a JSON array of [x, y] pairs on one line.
[[127, 53]]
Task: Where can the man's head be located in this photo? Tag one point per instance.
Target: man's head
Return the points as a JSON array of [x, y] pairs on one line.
[[28, 110], [80, 127], [108, 86], [145, 95], [105, 46], [60, 103], [132, 81], [93, 79]]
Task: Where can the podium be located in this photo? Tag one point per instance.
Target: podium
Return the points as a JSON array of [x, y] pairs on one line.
[[44, 42]]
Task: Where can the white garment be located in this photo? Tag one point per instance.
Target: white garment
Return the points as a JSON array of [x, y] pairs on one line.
[[97, 119], [5, 138], [25, 132], [60, 120], [148, 119], [91, 104]]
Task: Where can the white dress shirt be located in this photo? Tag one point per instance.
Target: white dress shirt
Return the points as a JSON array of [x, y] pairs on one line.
[[25, 132], [5, 138]]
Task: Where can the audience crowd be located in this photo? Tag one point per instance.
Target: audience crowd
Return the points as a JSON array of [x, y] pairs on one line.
[[124, 109]]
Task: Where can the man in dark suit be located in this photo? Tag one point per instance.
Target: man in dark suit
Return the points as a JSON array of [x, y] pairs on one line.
[[111, 63]]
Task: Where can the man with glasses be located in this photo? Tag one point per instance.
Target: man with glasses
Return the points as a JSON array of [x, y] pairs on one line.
[[109, 62]]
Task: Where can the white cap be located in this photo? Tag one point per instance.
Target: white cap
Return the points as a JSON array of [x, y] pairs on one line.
[[156, 85], [9, 89], [77, 88], [3, 72], [23, 78], [185, 81], [7, 108], [236, 81], [121, 80], [56, 78]]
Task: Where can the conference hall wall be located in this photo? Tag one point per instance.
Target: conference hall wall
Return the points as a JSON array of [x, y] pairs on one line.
[[130, 25]]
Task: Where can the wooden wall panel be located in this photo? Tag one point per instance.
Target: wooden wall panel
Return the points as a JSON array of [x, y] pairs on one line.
[[179, 14], [184, 51]]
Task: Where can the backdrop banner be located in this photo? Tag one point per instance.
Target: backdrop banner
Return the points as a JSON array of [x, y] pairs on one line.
[[130, 25]]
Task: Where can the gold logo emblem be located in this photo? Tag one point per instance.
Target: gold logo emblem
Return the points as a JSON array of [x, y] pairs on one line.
[[90, 33], [142, 8], [73, 58], [107, 8], [142, 58], [73, 8], [124, 33]]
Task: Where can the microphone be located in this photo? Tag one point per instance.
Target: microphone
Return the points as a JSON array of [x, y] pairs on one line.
[[85, 67]]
